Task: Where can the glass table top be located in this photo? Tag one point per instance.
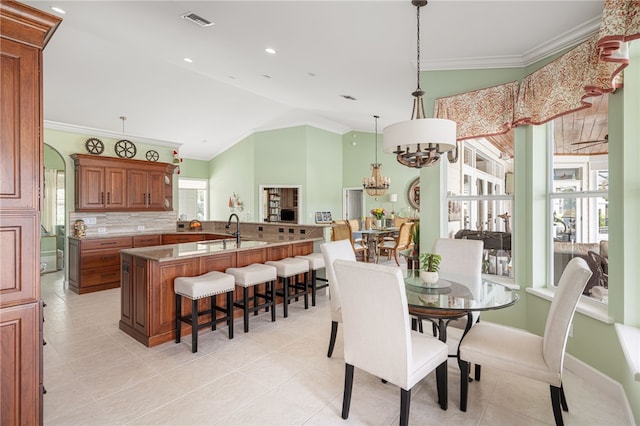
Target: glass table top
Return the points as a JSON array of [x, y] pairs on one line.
[[451, 296]]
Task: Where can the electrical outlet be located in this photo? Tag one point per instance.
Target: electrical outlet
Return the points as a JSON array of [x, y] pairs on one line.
[[90, 220], [102, 230], [140, 227]]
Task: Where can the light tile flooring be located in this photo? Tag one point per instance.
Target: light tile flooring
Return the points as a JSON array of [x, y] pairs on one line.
[[277, 374]]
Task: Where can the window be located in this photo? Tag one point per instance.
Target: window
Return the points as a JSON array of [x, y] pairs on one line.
[[192, 195], [479, 207], [579, 206]]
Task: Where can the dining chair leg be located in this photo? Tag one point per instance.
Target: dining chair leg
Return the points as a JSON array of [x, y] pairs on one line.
[[563, 399], [442, 385], [405, 404], [477, 372], [555, 403], [332, 339], [464, 384], [395, 255], [348, 387]]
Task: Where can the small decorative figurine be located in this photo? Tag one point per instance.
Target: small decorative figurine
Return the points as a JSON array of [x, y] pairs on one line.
[[80, 227]]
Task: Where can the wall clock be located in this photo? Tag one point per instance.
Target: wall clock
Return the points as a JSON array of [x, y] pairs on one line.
[[94, 146], [125, 149], [413, 194], [152, 155]]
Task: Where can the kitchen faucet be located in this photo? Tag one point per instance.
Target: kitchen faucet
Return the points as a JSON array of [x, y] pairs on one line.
[[237, 233]]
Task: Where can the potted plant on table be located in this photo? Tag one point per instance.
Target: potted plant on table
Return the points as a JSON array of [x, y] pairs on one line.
[[378, 213], [430, 265]]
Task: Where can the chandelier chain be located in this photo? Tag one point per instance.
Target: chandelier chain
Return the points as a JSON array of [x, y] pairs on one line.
[[418, 48]]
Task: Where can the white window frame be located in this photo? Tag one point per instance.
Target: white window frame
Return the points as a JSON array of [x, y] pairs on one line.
[[197, 185]]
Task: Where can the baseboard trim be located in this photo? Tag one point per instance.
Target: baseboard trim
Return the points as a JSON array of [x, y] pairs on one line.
[[601, 381]]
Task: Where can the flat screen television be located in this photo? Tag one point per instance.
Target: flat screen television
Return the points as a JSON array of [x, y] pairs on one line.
[[287, 215]]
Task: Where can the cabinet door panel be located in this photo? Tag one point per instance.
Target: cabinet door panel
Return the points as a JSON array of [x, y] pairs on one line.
[[155, 189], [137, 189], [90, 188], [20, 118], [115, 188], [19, 373], [20, 270]]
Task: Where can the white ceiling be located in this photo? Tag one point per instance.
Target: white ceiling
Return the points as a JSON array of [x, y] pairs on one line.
[[125, 58]]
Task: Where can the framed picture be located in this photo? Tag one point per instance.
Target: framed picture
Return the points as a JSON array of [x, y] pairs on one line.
[[318, 217], [413, 194]]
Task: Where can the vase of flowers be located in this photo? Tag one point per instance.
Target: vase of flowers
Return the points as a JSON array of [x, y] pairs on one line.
[[430, 265], [378, 213]]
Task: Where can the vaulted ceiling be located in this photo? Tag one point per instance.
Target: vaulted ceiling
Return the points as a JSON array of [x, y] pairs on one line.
[[126, 58]]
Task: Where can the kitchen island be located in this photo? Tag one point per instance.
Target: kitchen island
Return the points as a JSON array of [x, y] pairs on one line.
[[147, 275]]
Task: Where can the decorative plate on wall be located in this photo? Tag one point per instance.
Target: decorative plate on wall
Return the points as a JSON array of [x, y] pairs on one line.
[[414, 194], [125, 149], [152, 155], [94, 146]]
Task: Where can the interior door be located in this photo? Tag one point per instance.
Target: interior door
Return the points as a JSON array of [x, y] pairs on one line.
[[353, 204]]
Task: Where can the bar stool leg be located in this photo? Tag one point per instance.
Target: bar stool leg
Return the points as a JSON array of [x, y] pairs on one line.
[[285, 293], [306, 290], [313, 288], [271, 287], [194, 326], [230, 313], [245, 314], [178, 317], [213, 312]]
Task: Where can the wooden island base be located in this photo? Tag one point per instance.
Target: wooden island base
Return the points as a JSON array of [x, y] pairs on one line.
[[147, 275]]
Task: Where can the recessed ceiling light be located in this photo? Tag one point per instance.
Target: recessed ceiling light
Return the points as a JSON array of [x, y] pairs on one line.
[[57, 9], [188, 60], [270, 50]]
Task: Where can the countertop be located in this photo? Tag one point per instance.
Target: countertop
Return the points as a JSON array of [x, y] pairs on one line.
[[203, 248]]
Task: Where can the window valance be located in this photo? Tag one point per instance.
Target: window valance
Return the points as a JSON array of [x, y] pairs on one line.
[[558, 88]]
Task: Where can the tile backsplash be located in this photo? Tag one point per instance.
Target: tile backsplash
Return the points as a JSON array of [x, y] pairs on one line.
[[124, 222]]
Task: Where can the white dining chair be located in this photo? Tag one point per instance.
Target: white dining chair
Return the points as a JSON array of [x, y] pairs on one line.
[[461, 262], [378, 337], [526, 354], [332, 251]]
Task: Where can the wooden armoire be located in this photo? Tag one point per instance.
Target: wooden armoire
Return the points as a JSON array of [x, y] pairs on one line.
[[24, 31]]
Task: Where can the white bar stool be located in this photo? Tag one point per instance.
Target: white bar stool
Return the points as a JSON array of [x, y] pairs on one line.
[[251, 276], [316, 262], [292, 268], [195, 288]]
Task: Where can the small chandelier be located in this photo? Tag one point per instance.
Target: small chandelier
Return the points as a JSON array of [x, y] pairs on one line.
[[376, 185], [421, 141]]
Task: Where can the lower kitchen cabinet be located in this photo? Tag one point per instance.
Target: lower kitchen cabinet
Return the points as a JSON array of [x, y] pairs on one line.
[[94, 265]]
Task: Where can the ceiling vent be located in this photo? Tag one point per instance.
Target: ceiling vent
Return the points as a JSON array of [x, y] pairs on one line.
[[190, 16]]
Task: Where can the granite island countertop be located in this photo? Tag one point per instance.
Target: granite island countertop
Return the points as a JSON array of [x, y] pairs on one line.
[[170, 252]]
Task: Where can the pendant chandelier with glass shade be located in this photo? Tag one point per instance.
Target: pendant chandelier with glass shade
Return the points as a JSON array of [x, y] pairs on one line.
[[421, 141], [376, 185]]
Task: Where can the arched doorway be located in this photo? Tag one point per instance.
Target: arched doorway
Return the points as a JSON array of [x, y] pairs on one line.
[[54, 212]]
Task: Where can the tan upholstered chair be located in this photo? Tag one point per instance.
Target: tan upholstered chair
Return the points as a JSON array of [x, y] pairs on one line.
[[400, 242], [526, 354], [332, 251], [378, 337]]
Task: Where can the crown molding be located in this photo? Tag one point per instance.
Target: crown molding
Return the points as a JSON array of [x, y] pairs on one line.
[[73, 128], [567, 40]]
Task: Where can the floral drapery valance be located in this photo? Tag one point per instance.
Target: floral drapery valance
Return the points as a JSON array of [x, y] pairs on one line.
[[560, 87], [484, 112]]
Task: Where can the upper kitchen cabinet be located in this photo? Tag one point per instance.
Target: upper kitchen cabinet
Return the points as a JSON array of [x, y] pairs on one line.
[[115, 184]]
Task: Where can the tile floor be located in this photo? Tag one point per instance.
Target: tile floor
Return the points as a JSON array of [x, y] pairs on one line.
[[277, 374]]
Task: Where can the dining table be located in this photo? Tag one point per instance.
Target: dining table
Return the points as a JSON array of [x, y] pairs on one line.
[[371, 237], [447, 300]]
